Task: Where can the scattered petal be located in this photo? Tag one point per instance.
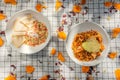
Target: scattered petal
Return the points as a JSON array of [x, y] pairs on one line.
[[61, 57], [58, 5], [45, 77], [115, 32], [112, 55], [107, 4], [85, 69], [30, 69], [117, 6], [10, 77], [117, 74], [1, 42], [62, 35], [2, 16], [77, 8], [39, 7], [13, 2], [83, 2], [89, 77], [53, 51], [108, 18]]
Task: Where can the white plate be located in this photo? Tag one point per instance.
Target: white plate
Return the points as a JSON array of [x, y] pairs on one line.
[[86, 26], [24, 48]]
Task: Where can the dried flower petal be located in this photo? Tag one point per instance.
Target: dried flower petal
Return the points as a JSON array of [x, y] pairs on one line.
[[117, 6], [2, 16], [13, 2], [107, 4], [83, 2], [112, 55], [1, 42], [45, 77], [30, 69], [39, 7], [53, 51], [76, 8], [61, 57], [115, 32], [85, 69], [10, 77], [58, 5], [117, 74], [62, 35]]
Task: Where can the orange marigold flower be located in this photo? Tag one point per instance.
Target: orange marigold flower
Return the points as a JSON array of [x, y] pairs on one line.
[[30, 69], [53, 51], [76, 8], [112, 55], [39, 7], [62, 35], [117, 6], [117, 74], [107, 4], [1, 42], [61, 57], [13, 2], [2, 16], [85, 69], [115, 32], [58, 5], [45, 77], [83, 2], [10, 77]]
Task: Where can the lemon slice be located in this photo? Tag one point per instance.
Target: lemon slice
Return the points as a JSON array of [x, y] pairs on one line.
[[91, 45]]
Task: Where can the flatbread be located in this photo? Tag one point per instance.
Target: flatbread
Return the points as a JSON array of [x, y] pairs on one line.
[[18, 41], [22, 33]]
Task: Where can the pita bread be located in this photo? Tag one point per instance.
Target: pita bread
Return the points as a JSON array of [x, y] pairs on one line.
[[18, 41], [19, 33]]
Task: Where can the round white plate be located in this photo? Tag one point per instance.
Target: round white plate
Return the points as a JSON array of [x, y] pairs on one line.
[[82, 27], [25, 48]]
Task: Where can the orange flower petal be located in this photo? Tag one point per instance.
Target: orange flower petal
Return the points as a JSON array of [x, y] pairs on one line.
[[83, 2], [58, 5], [1, 42], [40, 7], [2, 16], [61, 57], [45, 77], [117, 74], [112, 55], [30, 69], [85, 69], [13, 2], [10, 77], [76, 8], [117, 6], [115, 32], [62, 35], [107, 4], [53, 51]]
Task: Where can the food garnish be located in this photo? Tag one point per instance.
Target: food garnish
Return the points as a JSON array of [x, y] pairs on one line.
[[62, 35], [2, 16], [61, 57], [115, 32], [117, 74], [112, 55], [58, 5], [77, 8], [30, 69], [13, 2], [53, 51], [39, 7], [1, 42], [107, 4], [85, 69], [45, 77]]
